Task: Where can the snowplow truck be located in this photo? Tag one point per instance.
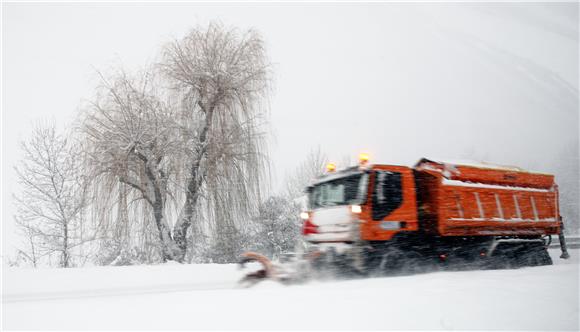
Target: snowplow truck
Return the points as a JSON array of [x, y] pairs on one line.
[[397, 218]]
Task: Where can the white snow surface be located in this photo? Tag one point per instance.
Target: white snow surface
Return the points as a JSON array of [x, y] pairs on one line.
[[458, 183], [173, 296], [478, 164]]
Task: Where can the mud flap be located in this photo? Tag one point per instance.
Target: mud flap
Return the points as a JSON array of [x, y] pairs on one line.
[[562, 239]]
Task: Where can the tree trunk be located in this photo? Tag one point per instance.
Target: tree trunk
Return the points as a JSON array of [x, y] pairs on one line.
[[164, 233], [167, 242], [196, 179], [180, 230], [65, 253]]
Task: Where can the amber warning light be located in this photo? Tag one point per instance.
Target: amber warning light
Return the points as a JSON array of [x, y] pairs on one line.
[[331, 167], [363, 159]]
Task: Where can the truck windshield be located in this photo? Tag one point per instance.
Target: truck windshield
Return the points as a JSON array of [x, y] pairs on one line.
[[342, 191]]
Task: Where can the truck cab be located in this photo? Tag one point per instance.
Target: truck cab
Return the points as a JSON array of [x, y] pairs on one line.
[[367, 202]]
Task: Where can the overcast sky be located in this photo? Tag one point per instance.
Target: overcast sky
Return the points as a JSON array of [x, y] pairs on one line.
[[400, 81]]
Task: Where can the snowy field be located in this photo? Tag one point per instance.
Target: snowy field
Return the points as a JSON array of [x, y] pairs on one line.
[[174, 296]]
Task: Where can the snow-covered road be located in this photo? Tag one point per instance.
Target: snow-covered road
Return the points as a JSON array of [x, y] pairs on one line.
[[174, 296]]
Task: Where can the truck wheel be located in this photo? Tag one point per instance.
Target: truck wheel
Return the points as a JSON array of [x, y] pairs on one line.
[[380, 260], [499, 261], [525, 257], [412, 263], [385, 262], [533, 256], [544, 258], [399, 262]]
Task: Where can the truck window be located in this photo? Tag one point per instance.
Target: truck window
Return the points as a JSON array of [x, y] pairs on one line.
[[387, 194], [341, 191]]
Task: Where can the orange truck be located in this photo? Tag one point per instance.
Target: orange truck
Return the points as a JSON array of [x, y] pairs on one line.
[[386, 217]]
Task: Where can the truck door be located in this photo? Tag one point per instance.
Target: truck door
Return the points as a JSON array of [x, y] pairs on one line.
[[387, 195], [393, 204]]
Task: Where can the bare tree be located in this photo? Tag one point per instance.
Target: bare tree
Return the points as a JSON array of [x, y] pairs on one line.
[[221, 76], [192, 152], [311, 168], [29, 252], [53, 195]]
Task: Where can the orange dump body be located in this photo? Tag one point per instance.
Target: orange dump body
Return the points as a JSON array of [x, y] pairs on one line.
[[463, 200]]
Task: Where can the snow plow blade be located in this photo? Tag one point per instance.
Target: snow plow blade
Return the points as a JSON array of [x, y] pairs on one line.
[[290, 272], [267, 271]]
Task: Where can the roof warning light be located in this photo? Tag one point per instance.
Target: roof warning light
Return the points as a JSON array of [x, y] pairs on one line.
[[363, 158], [330, 167]]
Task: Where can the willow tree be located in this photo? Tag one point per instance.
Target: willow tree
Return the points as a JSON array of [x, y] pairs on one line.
[[130, 133], [222, 77]]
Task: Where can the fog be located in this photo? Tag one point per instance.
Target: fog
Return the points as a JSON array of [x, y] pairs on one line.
[[493, 82]]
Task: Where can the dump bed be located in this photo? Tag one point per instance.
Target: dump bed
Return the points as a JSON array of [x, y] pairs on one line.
[[479, 200]]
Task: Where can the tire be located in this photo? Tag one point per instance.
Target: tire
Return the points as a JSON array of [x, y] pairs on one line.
[[394, 261], [413, 263], [544, 258], [533, 256], [525, 258]]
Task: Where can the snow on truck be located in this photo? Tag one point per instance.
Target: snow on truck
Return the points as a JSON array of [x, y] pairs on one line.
[[386, 218]]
